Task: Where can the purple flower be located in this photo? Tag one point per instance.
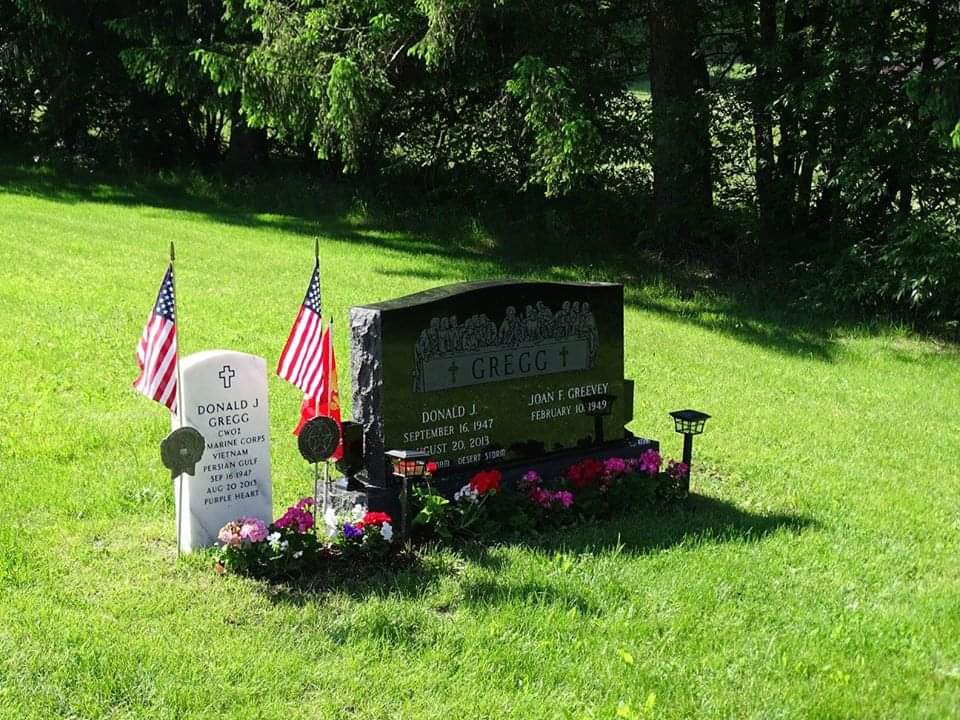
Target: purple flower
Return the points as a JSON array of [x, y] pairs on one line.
[[352, 532]]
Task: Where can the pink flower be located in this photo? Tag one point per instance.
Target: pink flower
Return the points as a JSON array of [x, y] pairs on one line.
[[252, 529], [541, 497], [530, 480], [564, 497], [230, 533], [296, 517], [678, 470], [614, 466], [547, 499], [650, 462], [304, 503]]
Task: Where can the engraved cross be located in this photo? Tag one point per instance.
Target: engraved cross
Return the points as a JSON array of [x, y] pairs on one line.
[[563, 355], [453, 371], [226, 374]]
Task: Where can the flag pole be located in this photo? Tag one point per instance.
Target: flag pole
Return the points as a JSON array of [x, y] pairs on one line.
[[326, 485], [329, 391], [176, 329], [316, 400], [316, 255]]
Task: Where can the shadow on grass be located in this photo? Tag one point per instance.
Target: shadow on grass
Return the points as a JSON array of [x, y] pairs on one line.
[[763, 318], [408, 575], [584, 238], [702, 520]]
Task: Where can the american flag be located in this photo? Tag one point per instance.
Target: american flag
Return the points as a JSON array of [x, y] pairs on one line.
[[327, 400], [301, 361], [157, 351]]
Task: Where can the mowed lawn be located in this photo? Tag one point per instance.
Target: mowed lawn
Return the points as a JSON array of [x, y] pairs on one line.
[[816, 573]]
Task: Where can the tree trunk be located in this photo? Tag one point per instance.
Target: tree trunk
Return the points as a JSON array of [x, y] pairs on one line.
[[761, 99], [248, 147], [682, 183], [931, 18]]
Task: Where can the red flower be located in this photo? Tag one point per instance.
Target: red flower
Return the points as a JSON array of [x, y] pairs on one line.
[[486, 481], [376, 518], [432, 468], [585, 473]]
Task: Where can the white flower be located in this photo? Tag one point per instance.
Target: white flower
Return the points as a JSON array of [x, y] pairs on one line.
[[358, 512], [298, 554], [274, 539], [284, 545], [386, 530], [330, 521], [466, 493]]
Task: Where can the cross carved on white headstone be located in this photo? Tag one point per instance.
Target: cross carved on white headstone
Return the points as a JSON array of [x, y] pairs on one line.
[[226, 374]]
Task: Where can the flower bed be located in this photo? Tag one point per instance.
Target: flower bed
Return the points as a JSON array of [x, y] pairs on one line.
[[294, 545], [588, 490], [483, 508]]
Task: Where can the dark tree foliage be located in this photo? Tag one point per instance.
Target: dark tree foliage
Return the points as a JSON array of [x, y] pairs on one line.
[[808, 134], [62, 78], [161, 39], [18, 64], [511, 90], [851, 105]]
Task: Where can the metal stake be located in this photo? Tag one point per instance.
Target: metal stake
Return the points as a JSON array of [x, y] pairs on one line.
[[176, 326], [326, 485], [688, 459], [404, 508]]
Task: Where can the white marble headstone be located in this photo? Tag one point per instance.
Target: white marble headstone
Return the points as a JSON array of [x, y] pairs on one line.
[[224, 396]]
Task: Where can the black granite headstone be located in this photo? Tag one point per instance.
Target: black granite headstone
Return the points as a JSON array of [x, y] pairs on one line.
[[488, 372]]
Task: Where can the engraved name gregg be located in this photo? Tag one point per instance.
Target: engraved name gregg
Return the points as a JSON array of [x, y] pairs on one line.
[[537, 341]]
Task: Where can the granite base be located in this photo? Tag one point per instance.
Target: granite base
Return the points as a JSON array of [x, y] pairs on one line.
[[348, 492]]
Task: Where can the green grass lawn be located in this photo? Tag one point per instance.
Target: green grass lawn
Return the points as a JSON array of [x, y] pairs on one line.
[[816, 573]]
